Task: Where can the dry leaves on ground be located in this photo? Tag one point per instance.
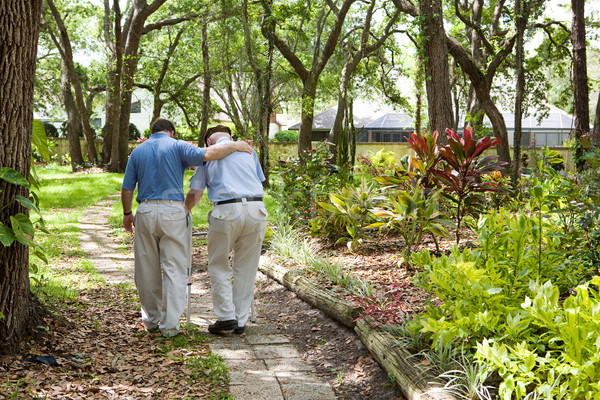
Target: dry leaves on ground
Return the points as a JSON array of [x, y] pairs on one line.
[[102, 353]]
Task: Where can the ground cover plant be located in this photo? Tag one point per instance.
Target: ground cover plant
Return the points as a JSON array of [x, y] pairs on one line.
[[507, 307], [91, 329]]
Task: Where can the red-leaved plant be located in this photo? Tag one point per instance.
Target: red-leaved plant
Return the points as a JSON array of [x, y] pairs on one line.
[[464, 166]]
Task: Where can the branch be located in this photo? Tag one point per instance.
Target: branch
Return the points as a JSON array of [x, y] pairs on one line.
[[476, 28], [545, 26], [334, 35], [169, 22], [407, 7], [291, 57], [496, 19]]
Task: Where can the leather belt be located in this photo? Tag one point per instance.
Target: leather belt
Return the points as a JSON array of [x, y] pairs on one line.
[[218, 203]]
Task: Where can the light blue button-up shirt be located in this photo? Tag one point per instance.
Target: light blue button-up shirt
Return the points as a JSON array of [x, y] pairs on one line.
[[235, 176], [157, 167]]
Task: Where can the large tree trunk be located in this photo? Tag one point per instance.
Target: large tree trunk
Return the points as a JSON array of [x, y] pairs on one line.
[[67, 56], [481, 86], [306, 117], [263, 86], [207, 82], [73, 121], [439, 95], [596, 132], [130, 39], [580, 78], [113, 85], [20, 22], [522, 13]]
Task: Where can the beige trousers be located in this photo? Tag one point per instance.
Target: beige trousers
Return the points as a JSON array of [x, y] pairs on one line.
[[162, 238], [237, 227]]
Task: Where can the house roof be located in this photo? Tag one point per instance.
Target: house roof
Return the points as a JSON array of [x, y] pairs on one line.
[[557, 120], [363, 114], [392, 121]]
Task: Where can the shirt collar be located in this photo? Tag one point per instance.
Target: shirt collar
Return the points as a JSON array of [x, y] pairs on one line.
[[223, 140]]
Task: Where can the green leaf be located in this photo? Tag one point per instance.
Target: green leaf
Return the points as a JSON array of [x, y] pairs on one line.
[[330, 208], [12, 176], [7, 237], [27, 203], [23, 228], [39, 140]]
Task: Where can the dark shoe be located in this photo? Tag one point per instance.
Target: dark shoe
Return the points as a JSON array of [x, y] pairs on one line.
[[239, 330], [221, 326]]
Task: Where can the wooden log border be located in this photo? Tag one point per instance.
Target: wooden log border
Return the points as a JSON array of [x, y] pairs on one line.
[[412, 378]]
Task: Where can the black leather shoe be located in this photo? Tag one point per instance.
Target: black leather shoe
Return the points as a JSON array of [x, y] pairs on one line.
[[239, 330], [221, 326]]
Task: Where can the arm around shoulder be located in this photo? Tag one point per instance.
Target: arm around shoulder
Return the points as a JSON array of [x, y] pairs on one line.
[[220, 151]]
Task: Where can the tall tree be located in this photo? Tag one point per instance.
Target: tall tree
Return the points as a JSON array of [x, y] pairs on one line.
[[63, 44], [580, 77], [123, 42], [330, 18], [19, 29], [369, 42], [521, 17], [73, 123], [262, 76], [437, 81]]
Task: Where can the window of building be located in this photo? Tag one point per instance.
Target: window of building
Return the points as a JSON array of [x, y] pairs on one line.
[[136, 107]]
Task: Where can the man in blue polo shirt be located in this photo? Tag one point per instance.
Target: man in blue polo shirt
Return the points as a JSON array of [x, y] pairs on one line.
[[236, 223], [162, 226]]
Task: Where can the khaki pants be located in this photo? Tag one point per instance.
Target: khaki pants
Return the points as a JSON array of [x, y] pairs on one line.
[[237, 227], [162, 238]]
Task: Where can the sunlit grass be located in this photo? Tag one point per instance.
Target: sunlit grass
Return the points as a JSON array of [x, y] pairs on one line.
[[63, 198], [63, 189]]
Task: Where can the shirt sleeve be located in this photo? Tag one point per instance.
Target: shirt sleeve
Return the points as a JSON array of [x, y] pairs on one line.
[[198, 181], [191, 155], [259, 171], [130, 177]]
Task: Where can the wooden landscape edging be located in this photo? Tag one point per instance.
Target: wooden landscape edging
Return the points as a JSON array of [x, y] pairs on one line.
[[410, 376], [339, 309]]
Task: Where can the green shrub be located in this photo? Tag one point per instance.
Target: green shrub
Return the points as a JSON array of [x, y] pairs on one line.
[[298, 187], [134, 132], [286, 136], [51, 130], [349, 211]]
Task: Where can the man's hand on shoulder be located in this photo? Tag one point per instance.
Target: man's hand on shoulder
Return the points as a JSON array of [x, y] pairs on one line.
[[242, 145]]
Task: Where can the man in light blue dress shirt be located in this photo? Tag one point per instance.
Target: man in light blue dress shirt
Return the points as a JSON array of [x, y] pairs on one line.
[[236, 223], [162, 229]]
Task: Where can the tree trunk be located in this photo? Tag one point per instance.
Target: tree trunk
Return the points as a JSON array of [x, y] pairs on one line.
[[596, 132], [20, 21], [113, 85], [130, 39], [439, 95], [206, 84], [73, 124], [67, 55], [306, 117], [522, 15], [482, 90], [580, 78]]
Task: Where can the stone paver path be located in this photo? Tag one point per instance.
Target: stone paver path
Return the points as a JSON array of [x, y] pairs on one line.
[[263, 364]]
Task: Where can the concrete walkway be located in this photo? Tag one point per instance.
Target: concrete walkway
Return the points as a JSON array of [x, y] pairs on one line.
[[262, 362]]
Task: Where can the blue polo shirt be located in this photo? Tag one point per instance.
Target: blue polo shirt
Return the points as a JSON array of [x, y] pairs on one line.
[[235, 176], [157, 167]]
